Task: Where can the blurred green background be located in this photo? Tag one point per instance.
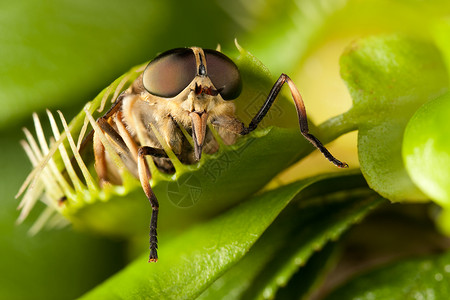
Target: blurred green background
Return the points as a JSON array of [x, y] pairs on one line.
[[60, 54]]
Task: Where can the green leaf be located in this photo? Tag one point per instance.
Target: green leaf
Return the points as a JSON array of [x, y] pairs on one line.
[[389, 77], [421, 278], [303, 228], [308, 279], [426, 149], [192, 261], [320, 226], [426, 152]]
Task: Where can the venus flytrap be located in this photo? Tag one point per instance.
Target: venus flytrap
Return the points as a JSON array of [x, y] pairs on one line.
[[49, 162], [80, 199]]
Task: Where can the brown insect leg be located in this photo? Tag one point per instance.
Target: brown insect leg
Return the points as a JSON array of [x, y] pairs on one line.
[[125, 134], [115, 108], [144, 177], [112, 133], [100, 160], [302, 118]]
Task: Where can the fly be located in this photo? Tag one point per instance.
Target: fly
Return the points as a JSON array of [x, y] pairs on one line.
[[183, 87]]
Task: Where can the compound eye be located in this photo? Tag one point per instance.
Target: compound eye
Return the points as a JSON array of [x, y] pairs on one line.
[[224, 74], [170, 72]]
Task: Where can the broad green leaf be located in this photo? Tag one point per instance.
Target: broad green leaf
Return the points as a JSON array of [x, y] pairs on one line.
[[302, 229], [193, 260], [308, 279], [389, 77], [420, 278], [321, 224]]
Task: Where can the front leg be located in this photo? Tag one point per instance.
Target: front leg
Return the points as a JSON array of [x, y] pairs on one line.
[[121, 146], [144, 177], [302, 118], [118, 144]]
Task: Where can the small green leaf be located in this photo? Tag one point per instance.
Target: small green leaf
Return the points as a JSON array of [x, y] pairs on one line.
[[422, 278], [389, 77], [426, 149], [426, 152]]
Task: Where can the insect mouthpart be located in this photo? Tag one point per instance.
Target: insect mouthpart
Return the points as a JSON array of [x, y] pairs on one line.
[[199, 121], [205, 90]]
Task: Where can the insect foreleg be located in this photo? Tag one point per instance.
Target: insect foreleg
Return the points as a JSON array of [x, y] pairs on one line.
[[301, 112], [144, 177]]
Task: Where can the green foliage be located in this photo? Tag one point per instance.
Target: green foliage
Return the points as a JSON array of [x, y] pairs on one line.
[[233, 238]]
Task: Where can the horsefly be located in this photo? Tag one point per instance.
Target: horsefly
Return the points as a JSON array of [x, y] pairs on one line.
[[173, 103]]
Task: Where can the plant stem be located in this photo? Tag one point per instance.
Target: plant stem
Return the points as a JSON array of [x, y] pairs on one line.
[[337, 126]]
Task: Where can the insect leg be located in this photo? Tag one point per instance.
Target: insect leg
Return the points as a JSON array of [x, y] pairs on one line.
[[144, 177], [112, 133], [119, 146], [115, 108], [100, 160], [143, 172], [302, 118]]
